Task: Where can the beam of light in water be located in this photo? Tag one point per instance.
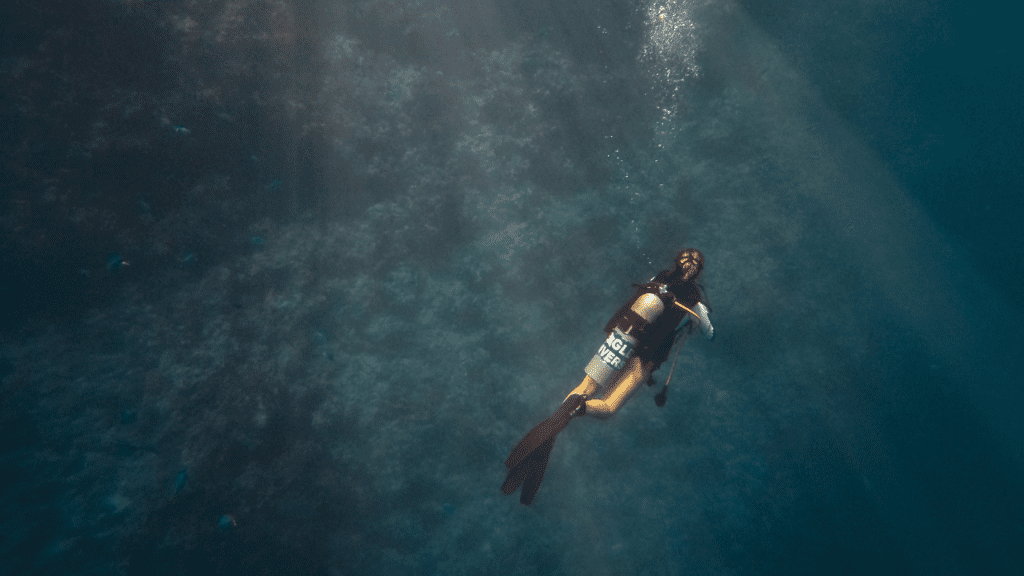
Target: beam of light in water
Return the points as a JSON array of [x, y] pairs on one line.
[[917, 270]]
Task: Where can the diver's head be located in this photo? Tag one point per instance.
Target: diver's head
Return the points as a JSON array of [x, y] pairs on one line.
[[689, 264]]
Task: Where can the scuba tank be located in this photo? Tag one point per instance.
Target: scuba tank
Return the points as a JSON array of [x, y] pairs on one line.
[[630, 326]]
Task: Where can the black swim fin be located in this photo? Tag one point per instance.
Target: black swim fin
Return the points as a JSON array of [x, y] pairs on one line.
[[529, 459], [529, 473]]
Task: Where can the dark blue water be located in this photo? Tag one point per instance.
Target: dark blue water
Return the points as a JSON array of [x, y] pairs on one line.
[[933, 88], [285, 282]]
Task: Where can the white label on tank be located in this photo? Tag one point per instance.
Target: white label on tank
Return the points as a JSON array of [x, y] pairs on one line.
[[616, 350]]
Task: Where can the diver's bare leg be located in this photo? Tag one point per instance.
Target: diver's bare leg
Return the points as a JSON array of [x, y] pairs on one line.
[[636, 372]]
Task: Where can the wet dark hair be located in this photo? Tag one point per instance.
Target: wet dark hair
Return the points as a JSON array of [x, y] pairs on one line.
[[690, 256]]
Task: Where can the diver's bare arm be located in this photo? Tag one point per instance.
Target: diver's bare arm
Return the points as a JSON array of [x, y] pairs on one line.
[[705, 321]]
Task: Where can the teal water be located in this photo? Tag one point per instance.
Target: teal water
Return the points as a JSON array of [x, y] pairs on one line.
[[363, 247]]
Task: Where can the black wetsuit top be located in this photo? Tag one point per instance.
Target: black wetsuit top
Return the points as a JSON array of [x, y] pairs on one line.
[[656, 340]]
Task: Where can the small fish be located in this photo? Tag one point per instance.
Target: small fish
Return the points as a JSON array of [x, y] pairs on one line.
[[182, 130], [115, 262], [227, 521]]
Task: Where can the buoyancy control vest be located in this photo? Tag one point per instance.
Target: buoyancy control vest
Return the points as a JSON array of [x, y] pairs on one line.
[[652, 337]]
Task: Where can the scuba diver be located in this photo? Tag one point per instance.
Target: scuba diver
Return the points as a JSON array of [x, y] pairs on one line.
[[640, 337]]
